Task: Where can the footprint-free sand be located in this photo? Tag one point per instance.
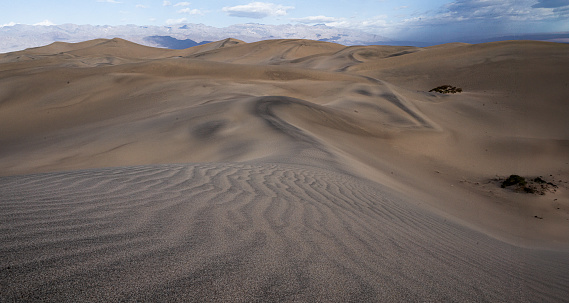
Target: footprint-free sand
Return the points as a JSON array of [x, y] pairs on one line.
[[283, 170]]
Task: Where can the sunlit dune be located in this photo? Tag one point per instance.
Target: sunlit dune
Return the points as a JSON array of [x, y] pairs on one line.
[[289, 170]]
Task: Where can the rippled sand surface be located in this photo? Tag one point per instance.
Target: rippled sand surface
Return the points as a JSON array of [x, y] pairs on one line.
[[230, 232], [283, 170]]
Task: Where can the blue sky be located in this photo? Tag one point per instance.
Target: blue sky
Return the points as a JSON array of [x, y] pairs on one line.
[[400, 19]]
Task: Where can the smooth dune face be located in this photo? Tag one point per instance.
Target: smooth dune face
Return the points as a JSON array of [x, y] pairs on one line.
[[305, 171]]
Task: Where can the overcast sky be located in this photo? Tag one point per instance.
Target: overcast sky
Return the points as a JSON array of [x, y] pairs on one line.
[[396, 19]]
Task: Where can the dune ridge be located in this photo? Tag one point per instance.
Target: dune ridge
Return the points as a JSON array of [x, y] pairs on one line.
[[288, 170]]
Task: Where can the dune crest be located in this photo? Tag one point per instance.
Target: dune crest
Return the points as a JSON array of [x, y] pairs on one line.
[[283, 170]]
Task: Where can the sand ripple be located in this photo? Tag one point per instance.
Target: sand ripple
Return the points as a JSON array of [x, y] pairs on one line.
[[245, 233]]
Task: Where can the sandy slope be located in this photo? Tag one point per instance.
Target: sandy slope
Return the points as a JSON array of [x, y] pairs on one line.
[[327, 172], [241, 232]]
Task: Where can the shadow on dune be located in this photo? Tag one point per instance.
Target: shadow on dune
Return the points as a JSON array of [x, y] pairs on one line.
[[308, 171]]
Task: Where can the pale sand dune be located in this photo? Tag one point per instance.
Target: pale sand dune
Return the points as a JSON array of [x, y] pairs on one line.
[[309, 171], [273, 52]]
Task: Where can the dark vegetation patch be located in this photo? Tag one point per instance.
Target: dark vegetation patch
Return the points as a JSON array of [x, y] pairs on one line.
[[446, 89], [514, 180], [535, 185]]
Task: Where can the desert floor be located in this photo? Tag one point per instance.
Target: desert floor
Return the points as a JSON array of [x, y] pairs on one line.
[[284, 170]]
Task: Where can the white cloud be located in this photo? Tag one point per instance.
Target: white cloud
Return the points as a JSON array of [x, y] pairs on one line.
[[315, 19], [341, 24], [257, 10], [371, 24], [141, 6], [45, 23], [499, 10], [462, 19], [182, 4], [190, 11], [492, 15], [166, 3], [376, 22], [176, 21], [109, 1], [551, 3], [8, 24]]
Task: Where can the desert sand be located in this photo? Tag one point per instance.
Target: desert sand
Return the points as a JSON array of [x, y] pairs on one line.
[[283, 170]]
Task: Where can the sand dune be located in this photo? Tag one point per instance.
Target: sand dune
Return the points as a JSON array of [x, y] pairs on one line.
[[288, 170], [239, 232]]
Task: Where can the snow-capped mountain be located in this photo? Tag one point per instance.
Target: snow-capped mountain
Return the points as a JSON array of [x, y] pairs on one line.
[[20, 36]]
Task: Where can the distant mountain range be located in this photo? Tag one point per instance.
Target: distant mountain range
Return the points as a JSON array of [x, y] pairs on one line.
[[20, 36]]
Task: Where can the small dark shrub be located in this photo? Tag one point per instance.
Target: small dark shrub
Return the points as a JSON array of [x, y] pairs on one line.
[[529, 190], [531, 186], [514, 180], [447, 89]]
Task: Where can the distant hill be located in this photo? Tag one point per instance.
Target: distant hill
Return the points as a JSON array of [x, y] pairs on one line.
[[21, 36], [173, 43]]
